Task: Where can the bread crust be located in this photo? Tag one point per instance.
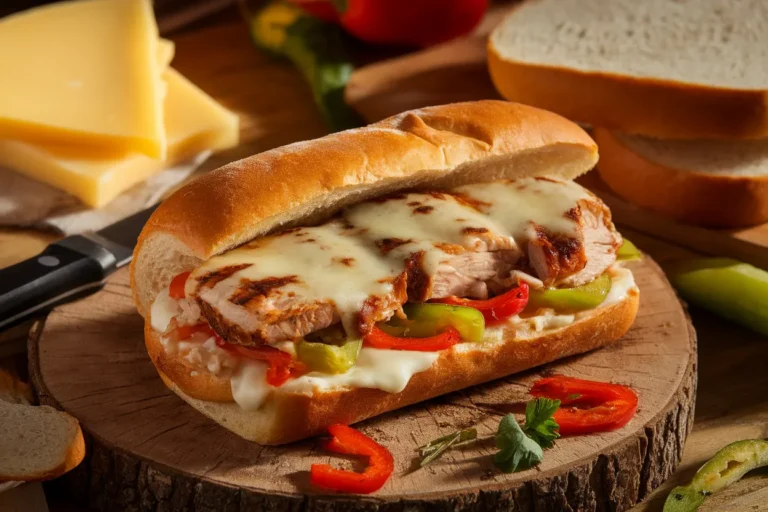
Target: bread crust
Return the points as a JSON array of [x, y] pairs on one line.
[[642, 106], [304, 183], [287, 417], [718, 201]]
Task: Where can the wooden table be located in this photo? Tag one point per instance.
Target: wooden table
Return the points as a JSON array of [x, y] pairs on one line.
[[731, 402]]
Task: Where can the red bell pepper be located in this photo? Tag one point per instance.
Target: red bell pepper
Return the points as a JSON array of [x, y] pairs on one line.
[[183, 332], [377, 338], [401, 22], [282, 366], [497, 309], [587, 406], [349, 441], [176, 290]]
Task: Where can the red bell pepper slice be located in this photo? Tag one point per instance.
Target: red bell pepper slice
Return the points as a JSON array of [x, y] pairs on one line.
[[282, 366], [176, 290], [349, 441], [497, 309], [380, 339], [587, 406], [183, 332]]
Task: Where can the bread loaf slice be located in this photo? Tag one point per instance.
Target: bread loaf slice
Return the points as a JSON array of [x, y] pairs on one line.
[[660, 68], [37, 442], [708, 183]]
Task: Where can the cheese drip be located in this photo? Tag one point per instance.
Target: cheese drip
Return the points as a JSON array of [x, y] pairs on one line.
[[515, 205], [434, 223], [324, 263]]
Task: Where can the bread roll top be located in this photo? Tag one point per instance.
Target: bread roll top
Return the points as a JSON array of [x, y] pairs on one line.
[[306, 182]]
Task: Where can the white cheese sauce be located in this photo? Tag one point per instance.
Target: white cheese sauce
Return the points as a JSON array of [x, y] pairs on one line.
[[515, 205], [327, 263], [426, 222]]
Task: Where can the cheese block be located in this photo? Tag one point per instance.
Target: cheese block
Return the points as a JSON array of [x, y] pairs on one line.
[[84, 74], [194, 122]]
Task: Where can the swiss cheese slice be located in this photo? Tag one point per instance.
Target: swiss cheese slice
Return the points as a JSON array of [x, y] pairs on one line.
[[83, 73], [194, 122]]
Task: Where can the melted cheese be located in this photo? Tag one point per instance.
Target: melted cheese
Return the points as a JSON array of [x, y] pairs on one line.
[[328, 264], [422, 221], [388, 370], [514, 205]]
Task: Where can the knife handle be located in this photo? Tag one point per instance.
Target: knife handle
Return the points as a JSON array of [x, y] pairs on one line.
[[61, 273]]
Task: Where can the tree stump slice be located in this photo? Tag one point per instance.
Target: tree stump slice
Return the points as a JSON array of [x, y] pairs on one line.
[[149, 451]]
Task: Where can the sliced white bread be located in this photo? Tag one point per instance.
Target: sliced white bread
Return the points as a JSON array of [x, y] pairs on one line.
[[37, 442], [704, 182], [13, 390], [668, 69]]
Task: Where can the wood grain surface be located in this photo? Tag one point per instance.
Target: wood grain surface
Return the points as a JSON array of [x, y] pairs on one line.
[[89, 359]]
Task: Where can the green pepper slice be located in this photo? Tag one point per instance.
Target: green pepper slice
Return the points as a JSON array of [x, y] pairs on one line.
[[426, 320], [729, 288], [327, 358], [726, 467], [628, 252], [587, 296]]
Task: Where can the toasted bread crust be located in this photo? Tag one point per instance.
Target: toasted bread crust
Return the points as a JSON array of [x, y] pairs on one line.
[[643, 106], [305, 182], [287, 417], [709, 200]]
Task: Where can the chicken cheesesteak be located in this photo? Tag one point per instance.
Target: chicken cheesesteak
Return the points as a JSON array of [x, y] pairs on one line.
[[332, 280]]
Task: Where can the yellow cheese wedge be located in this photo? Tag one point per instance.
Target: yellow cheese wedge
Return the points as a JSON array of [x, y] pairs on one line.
[[194, 122], [165, 52], [83, 73]]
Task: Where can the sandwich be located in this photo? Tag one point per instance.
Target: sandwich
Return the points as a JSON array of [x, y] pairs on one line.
[[333, 280]]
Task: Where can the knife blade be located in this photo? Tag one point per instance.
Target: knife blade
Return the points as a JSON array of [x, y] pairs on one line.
[[71, 268]]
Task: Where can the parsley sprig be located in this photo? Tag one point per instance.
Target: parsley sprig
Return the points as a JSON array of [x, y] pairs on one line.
[[519, 447], [522, 448]]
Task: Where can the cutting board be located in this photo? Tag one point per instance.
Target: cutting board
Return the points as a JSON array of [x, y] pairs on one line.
[[148, 450], [456, 71]]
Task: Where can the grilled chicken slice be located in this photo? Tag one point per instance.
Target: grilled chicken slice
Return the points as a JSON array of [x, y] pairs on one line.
[[289, 285], [568, 261], [565, 231], [449, 247]]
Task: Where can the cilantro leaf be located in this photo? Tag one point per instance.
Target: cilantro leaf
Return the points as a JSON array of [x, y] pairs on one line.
[[516, 450], [539, 424]]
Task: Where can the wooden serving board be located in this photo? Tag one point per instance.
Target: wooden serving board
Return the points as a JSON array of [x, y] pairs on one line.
[[457, 71], [148, 450]]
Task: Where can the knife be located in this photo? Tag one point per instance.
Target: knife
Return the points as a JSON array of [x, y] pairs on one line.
[[71, 268]]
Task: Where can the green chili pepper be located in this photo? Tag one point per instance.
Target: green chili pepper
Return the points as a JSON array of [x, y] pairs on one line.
[[430, 319], [327, 358], [731, 289], [317, 50], [726, 467], [587, 296], [628, 252]]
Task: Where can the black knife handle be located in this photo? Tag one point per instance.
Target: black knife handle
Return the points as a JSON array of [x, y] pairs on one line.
[[72, 268]]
